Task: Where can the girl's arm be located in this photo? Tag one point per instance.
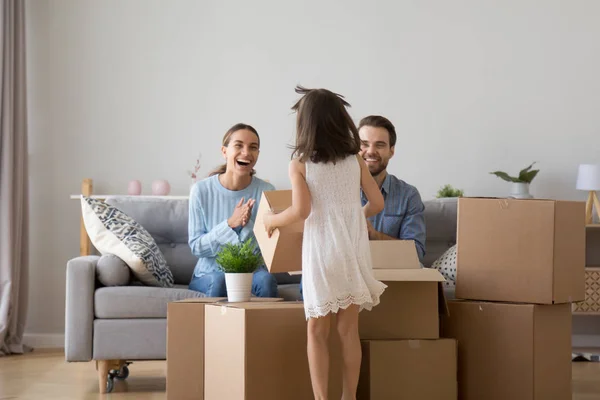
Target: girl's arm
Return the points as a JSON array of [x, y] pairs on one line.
[[300, 208], [374, 197]]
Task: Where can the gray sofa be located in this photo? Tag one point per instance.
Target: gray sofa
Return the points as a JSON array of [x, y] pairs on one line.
[[112, 325]]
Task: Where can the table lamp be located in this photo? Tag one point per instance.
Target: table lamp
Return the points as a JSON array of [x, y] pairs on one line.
[[588, 179]]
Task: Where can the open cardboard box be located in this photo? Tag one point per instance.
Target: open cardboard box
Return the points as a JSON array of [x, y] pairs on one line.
[[410, 307], [282, 252]]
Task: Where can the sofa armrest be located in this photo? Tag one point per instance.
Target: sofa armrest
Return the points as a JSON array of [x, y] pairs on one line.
[[79, 308]]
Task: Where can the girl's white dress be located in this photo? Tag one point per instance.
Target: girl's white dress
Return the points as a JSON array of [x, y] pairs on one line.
[[336, 256]]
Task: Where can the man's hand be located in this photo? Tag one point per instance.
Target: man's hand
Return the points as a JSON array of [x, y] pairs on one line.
[[372, 232]]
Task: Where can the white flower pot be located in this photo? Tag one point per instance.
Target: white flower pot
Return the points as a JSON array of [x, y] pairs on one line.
[[520, 190], [239, 287]]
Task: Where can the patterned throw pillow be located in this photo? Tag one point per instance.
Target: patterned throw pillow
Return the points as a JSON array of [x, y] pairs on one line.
[[111, 231], [446, 264]]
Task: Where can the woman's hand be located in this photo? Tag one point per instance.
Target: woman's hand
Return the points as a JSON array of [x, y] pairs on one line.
[[268, 222], [241, 213]]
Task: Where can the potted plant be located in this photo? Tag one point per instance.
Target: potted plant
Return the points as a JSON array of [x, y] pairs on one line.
[[520, 184], [238, 262], [447, 191]]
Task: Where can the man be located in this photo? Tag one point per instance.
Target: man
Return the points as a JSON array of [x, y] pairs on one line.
[[402, 217]]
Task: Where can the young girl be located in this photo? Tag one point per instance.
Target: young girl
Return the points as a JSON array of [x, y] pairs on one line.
[[326, 176]]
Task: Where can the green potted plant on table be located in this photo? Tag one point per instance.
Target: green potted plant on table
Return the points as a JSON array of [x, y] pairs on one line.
[[448, 191], [520, 184], [238, 262]]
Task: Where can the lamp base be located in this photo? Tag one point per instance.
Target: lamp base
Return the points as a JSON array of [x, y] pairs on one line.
[[592, 202]]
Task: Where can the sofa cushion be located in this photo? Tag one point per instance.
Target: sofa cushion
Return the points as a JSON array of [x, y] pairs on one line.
[[446, 265], [138, 301], [290, 292], [114, 232], [112, 271], [167, 221]]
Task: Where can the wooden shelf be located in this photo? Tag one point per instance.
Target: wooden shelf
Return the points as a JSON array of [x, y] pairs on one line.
[[593, 226]]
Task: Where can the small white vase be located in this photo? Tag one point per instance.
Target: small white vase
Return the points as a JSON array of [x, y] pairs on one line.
[[519, 190], [239, 287]]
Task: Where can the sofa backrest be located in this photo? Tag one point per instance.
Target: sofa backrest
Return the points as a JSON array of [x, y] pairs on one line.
[[440, 222], [167, 221]]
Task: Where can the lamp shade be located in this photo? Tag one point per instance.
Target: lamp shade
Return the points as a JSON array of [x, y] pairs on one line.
[[588, 177]]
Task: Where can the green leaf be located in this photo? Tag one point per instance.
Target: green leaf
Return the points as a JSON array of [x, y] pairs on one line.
[[528, 176], [523, 173], [505, 176], [449, 191], [239, 258]]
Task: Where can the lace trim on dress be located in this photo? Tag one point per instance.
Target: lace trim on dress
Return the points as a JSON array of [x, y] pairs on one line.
[[365, 300]]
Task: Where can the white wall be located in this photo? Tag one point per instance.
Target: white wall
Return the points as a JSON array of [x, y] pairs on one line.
[[122, 90]]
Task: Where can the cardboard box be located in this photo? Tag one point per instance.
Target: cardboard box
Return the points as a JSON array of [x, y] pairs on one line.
[[282, 252], [511, 351], [258, 351], [529, 251], [408, 369], [410, 307], [185, 348]]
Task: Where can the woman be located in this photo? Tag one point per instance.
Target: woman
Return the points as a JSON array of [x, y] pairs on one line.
[[221, 209]]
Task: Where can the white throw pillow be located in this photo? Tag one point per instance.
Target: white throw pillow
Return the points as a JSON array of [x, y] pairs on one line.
[[446, 264], [113, 232]]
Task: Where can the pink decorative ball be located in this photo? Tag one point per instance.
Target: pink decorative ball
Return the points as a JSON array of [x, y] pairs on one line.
[[134, 188], [161, 187]]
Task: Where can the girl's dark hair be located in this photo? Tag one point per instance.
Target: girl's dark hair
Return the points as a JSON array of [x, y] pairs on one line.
[[237, 127], [324, 130]]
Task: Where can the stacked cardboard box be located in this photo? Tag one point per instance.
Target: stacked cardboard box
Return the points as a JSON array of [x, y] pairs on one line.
[[520, 265], [403, 355], [256, 350], [185, 348]]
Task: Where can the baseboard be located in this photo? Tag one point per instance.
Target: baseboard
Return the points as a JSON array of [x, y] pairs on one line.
[[44, 340]]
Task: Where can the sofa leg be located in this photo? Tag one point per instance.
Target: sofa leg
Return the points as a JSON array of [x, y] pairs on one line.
[[103, 366]]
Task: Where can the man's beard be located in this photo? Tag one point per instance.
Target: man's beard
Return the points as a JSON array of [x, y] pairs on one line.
[[382, 167]]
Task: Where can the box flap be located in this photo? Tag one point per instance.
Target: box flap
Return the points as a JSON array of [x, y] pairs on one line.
[[409, 275], [278, 200], [201, 300], [283, 250], [394, 254]]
